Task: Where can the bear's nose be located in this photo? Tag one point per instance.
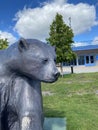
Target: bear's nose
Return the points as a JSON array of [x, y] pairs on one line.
[[56, 74]]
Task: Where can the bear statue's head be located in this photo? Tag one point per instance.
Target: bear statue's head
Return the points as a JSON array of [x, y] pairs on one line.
[[37, 60]]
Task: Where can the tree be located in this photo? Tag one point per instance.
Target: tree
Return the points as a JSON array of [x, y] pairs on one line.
[[61, 36], [3, 44]]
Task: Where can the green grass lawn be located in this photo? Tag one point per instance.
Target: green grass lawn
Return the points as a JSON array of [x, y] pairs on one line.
[[75, 97]]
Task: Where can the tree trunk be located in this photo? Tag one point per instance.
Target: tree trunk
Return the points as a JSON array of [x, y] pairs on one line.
[[61, 69]]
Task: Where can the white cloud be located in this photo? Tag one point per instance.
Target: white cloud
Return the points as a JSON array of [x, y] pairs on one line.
[[9, 36], [76, 44], [95, 41], [60, 2], [35, 23]]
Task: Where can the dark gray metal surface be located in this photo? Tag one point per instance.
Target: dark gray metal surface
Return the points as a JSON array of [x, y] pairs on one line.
[[23, 66]]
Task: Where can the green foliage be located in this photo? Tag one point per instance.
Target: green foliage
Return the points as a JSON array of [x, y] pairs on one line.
[[61, 36], [75, 97], [3, 44]]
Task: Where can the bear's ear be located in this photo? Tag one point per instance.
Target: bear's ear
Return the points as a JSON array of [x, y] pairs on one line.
[[22, 45]]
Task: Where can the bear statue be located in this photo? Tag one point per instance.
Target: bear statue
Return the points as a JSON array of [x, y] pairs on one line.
[[23, 66]]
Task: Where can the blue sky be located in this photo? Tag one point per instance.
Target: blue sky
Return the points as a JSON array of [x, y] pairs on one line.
[[32, 18]]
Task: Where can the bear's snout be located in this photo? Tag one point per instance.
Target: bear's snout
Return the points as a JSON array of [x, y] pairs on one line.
[[56, 74]]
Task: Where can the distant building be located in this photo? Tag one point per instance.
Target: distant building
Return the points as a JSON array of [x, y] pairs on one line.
[[86, 59], [86, 55]]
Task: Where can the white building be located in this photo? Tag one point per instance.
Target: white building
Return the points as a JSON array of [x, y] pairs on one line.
[[86, 60]]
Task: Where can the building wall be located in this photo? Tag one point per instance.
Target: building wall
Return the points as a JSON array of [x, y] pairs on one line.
[[96, 59], [86, 67], [88, 54], [80, 69]]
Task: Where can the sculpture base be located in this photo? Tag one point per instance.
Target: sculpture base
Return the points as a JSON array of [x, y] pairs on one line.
[[55, 124]]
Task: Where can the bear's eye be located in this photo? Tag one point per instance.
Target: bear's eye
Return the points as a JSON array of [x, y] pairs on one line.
[[45, 61]]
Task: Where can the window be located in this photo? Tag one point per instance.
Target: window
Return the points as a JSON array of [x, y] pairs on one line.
[[81, 60], [73, 62], [87, 59], [90, 59]]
